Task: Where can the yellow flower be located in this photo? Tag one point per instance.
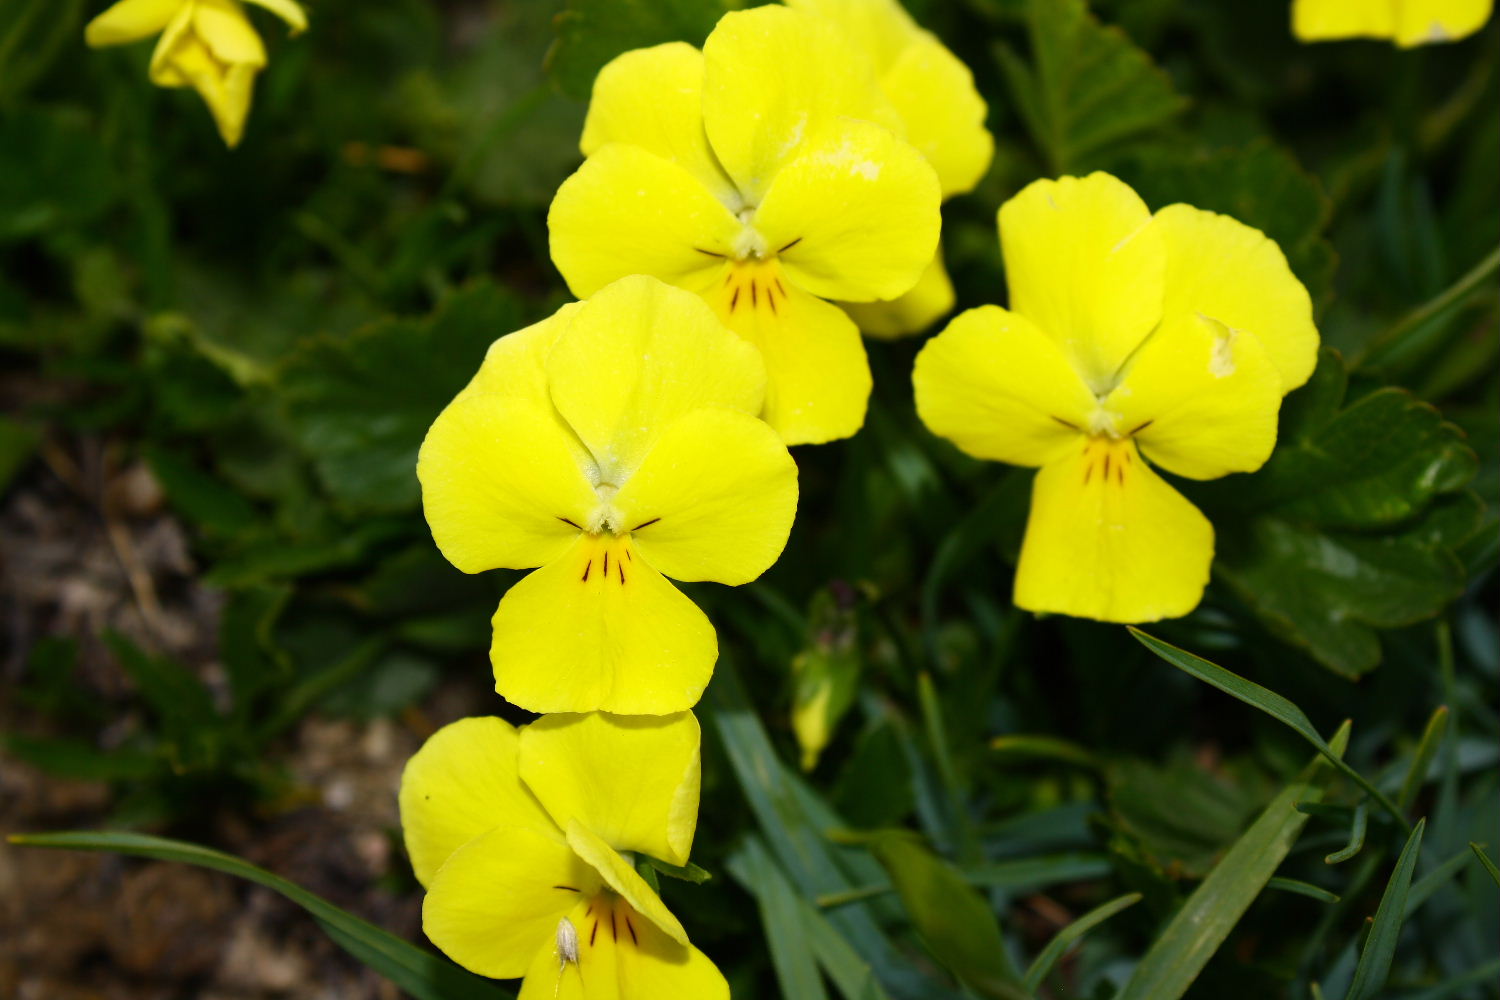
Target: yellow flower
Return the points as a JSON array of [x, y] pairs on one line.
[[943, 116], [209, 45], [1408, 23], [1130, 337], [613, 445], [518, 836], [761, 173]]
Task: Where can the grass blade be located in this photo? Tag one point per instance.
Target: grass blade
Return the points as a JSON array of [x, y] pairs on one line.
[[1267, 701], [1356, 837], [1307, 889], [1203, 923], [1416, 775], [1484, 859], [781, 918], [1380, 947], [421, 973], [1065, 938]]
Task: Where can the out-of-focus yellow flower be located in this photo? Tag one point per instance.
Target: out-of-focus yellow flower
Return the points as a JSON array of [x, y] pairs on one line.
[[613, 446], [1408, 23], [943, 116], [208, 45], [1129, 337], [764, 173], [517, 836]]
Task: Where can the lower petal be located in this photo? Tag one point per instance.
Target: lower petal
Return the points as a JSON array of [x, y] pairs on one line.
[[930, 300], [502, 894], [599, 629], [817, 375], [1109, 539]]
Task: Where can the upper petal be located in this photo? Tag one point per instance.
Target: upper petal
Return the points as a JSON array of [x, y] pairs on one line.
[[774, 79], [1419, 22], [1318, 20], [1084, 264], [599, 629], [462, 783], [999, 388], [288, 10], [130, 21], [515, 366], [500, 896], [934, 93], [715, 498], [880, 28], [621, 876], [653, 98], [817, 375], [1224, 269], [854, 215], [228, 33], [629, 211], [638, 355], [501, 483], [1200, 398], [633, 779], [1108, 539]]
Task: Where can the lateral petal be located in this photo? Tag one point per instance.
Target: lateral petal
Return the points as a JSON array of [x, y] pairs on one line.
[[130, 21], [929, 300], [620, 875], [1086, 266], [1109, 539], [999, 388]]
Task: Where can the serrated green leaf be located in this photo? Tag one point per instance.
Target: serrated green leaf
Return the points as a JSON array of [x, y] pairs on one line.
[[1380, 947], [421, 973], [1190, 939], [592, 32], [1086, 88], [359, 406]]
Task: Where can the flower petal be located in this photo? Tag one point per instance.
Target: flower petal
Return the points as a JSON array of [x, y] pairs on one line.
[[1223, 269], [775, 78], [288, 10], [501, 484], [929, 300], [639, 355], [817, 375], [628, 211], [854, 216], [715, 497], [999, 388], [130, 21], [584, 634], [500, 896], [464, 782], [881, 28], [1319, 20], [515, 366], [633, 779], [653, 98], [1086, 266], [223, 27], [1419, 22], [1108, 539], [620, 875], [1200, 398], [621, 956], [935, 95], [177, 32]]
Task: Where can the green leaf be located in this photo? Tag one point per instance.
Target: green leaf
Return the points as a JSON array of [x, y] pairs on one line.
[[360, 405], [191, 727], [1356, 837], [1087, 87], [1181, 815], [419, 972], [1416, 774], [1044, 748], [592, 32], [201, 497], [1307, 889], [57, 173], [686, 873], [1065, 938], [67, 758], [247, 645], [953, 920], [1380, 947], [1197, 930], [1267, 701], [1484, 859], [782, 919]]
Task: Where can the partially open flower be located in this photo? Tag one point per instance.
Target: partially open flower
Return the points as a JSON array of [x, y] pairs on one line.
[[208, 45], [1130, 337], [1407, 23], [613, 445], [523, 839]]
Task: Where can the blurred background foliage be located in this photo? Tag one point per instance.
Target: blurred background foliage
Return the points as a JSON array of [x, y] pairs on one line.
[[218, 367]]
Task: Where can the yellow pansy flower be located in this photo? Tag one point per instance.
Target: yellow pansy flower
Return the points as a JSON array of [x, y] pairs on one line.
[[763, 174], [1129, 338], [613, 445], [1408, 23], [942, 115], [208, 45], [523, 839]]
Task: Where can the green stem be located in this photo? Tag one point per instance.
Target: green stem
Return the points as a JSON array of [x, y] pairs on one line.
[[1480, 275]]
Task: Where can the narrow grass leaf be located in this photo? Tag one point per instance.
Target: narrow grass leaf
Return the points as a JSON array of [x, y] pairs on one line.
[[1043, 748], [1267, 701], [1416, 775], [781, 919], [1069, 935], [419, 972], [1307, 889], [1484, 859], [1380, 947], [1356, 837]]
